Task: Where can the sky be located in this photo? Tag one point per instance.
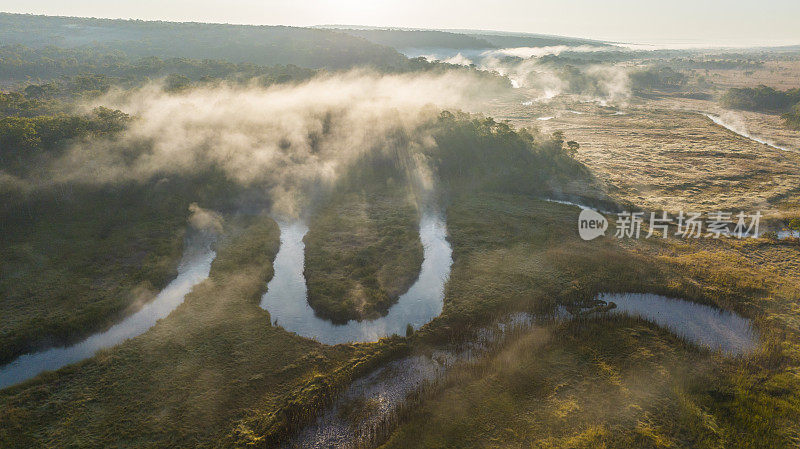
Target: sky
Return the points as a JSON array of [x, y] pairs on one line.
[[679, 22]]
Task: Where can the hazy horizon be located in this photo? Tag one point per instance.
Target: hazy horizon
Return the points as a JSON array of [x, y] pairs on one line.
[[684, 24]]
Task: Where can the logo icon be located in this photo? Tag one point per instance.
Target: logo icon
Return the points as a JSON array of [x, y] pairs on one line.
[[591, 224]]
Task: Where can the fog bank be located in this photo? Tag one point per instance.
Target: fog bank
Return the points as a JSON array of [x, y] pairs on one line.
[[287, 138]]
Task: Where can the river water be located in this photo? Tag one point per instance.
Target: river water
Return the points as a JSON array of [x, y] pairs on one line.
[[286, 298], [744, 133], [716, 329], [383, 393], [194, 267]]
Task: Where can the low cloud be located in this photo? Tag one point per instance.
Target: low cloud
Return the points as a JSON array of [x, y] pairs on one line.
[[205, 220], [602, 83], [285, 138], [538, 52]]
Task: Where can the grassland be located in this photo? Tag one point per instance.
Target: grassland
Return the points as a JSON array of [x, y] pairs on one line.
[[362, 252], [216, 374], [515, 252], [607, 383], [190, 379], [614, 381], [659, 156], [619, 382], [611, 382], [74, 263]]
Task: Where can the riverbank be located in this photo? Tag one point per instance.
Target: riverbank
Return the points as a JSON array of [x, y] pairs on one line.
[[616, 381], [188, 379], [362, 252], [73, 264], [286, 298]]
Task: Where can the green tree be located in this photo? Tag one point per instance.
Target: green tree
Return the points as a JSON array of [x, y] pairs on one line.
[[794, 225], [176, 82], [18, 132], [573, 146], [792, 118], [17, 137], [558, 137]]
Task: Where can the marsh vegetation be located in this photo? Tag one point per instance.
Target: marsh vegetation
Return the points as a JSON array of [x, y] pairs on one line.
[[353, 157], [362, 252]]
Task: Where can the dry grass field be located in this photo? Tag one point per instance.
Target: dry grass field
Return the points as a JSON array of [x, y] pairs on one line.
[[665, 153]]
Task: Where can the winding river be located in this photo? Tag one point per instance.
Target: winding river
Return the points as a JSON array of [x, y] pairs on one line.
[[716, 329], [747, 135], [384, 391], [287, 303], [194, 267], [369, 408], [579, 205]]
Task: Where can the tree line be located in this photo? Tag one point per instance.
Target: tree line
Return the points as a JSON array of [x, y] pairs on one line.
[[766, 99]]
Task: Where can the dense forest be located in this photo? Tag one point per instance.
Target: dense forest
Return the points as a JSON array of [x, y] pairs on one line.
[[19, 63], [657, 78], [86, 252], [60, 71], [400, 39], [264, 45], [761, 98], [461, 39], [766, 99], [503, 39], [32, 129]]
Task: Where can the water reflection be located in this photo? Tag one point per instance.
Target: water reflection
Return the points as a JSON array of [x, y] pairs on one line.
[[703, 325], [286, 296], [194, 267], [383, 392]]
